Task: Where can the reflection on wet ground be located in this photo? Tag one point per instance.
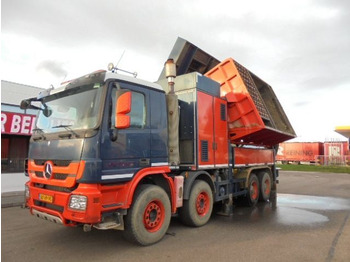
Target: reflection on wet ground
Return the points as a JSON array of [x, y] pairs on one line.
[[313, 202], [293, 210]]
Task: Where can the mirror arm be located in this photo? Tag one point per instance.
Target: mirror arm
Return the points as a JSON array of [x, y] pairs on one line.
[[113, 134]]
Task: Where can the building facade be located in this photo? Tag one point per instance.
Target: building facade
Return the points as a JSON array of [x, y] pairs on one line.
[[16, 125]]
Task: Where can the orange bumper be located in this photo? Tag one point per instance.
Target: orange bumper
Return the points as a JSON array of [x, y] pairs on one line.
[[56, 203]]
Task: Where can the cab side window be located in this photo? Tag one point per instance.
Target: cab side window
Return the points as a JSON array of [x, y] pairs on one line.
[[138, 110]]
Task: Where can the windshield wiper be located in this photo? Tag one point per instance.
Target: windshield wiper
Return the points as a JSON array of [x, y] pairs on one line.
[[67, 127], [41, 133]]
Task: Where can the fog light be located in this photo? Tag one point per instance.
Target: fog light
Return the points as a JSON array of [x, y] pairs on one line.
[[27, 191], [78, 202]]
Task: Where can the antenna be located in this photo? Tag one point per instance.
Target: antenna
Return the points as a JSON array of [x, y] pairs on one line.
[[120, 58], [114, 69]]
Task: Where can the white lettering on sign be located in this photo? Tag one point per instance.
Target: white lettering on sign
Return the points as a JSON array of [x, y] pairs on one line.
[[25, 124], [18, 124], [33, 124], [15, 126], [3, 122], [280, 151], [334, 151]]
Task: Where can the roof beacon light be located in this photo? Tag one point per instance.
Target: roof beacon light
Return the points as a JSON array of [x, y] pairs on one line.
[[114, 69]]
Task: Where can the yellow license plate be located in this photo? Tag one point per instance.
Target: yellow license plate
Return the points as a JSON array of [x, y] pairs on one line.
[[46, 198]]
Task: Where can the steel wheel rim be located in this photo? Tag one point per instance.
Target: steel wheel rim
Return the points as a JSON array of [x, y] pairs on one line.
[[202, 203], [267, 186], [154, 216], [254, 190]]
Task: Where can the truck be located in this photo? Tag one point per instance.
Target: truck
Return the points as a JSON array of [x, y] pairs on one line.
[[111, 151], [300, 152], [319, 153]]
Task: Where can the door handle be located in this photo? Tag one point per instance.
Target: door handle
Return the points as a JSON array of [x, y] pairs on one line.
[[144, 162]]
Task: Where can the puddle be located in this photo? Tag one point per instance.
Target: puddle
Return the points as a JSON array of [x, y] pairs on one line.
[[313, 202], [302, 209], [289, 216], [293, 210]]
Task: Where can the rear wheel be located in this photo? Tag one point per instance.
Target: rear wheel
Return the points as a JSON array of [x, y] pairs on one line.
[[148, 218], [253, 190], [265, 186], [196, 211]]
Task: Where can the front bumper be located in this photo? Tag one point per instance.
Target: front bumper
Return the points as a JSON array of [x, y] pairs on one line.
[[43, 202]]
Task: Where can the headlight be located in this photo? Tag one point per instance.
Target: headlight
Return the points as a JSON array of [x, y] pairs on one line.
[[78, 202], [27, 191]]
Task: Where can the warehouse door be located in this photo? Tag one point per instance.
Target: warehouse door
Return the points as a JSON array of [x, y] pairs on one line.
[[14, 150]]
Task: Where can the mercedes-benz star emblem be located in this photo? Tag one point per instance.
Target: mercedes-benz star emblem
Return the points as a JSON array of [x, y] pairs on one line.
[[48, 170]]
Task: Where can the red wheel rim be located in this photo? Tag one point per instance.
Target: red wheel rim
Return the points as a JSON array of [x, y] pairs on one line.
[[267, 186], [202, 203], [254, 191], [154, 215]]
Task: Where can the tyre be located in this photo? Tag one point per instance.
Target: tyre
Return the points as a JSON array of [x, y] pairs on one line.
[[265, 186], [253, 190], [196, 211], [148, 218]]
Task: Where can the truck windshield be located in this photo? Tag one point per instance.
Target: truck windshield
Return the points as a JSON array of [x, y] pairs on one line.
[[73, 109]]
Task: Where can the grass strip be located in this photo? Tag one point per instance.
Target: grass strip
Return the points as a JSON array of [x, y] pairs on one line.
[[312, 168]]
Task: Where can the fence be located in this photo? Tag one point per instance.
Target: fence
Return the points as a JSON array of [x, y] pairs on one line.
[[333, 160]]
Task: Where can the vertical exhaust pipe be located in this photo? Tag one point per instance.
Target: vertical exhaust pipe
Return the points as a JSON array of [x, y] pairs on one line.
[[173, 114], [170, 74]]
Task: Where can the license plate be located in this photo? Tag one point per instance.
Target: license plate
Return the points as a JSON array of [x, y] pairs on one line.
[[46, 198]]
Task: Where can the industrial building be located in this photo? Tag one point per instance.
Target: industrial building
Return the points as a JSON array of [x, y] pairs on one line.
[[16, 125]]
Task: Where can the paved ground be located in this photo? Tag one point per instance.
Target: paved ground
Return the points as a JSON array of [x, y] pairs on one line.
[[12, 189], [309, 222], [12, 182]]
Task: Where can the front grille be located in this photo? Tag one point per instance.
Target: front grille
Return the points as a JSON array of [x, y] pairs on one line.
[[59, 176], [39, 174], [42, 162], [49, 206], [55, 188], [59, 188]]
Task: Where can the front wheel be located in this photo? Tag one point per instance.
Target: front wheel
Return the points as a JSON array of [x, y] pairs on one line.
[[196, 211], [148, 218]]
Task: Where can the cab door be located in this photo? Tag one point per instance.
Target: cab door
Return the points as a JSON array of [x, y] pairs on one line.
[[125, 151]]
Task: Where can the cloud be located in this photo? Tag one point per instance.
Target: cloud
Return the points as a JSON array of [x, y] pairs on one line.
[[53, 67], [300, 47]]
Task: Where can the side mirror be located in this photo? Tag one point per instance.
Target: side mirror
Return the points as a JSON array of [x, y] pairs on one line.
[[25, 104], [47, 111], [123, 107]]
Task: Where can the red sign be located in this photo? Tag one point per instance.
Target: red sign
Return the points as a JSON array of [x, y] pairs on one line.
[[17, 124]]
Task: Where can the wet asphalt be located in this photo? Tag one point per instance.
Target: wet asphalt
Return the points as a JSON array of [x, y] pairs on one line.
[[309, 221]]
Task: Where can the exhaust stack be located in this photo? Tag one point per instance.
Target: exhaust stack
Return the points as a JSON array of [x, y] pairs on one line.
[[170, 74], [173, 114]]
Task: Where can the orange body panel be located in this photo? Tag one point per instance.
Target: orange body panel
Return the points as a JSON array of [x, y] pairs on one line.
[[101, 198], [212, 130], [72, 172], [243, 116], [251, 119], [253, 156], [220, 132], [205, 129]]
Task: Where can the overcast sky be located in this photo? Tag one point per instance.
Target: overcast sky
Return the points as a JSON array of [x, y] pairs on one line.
[[300, 47]]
